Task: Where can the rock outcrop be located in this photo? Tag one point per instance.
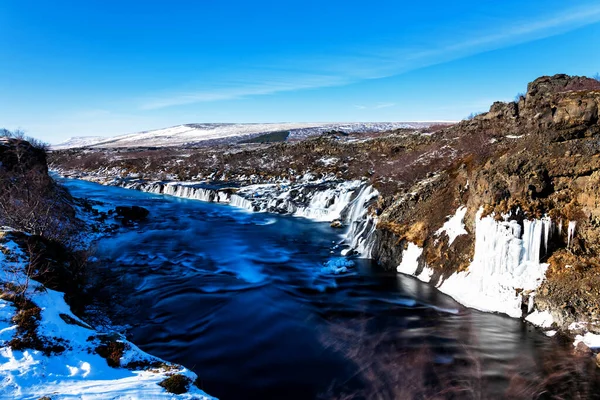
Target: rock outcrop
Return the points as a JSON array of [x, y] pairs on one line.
[[545, 162]]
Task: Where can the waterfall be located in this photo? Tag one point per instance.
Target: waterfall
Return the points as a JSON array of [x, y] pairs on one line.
[[320, 200], [241, 202], [327, 205], [360, 235]]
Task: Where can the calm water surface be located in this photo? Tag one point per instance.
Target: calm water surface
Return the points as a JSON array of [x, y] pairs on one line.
[[249, 302]]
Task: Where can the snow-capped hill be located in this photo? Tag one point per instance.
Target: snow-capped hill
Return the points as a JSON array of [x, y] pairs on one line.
[[78, 141], [193, 134]]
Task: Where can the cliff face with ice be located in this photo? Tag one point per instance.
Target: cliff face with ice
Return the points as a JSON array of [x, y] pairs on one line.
[[516, 231]]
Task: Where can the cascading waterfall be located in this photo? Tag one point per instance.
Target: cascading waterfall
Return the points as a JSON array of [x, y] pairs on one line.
[[361, 232], [326, 201], [241, 202], [327, 205]]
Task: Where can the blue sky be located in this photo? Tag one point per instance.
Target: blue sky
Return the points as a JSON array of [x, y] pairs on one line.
[[74, 68]]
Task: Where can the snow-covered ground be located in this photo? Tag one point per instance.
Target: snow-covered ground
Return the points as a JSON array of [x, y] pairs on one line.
[[78, 372], [227, 133]]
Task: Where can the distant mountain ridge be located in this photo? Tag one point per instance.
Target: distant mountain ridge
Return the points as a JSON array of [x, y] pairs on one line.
[[223, 133]]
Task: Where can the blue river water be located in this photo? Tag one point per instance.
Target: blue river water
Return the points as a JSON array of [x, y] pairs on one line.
[[262, 306]]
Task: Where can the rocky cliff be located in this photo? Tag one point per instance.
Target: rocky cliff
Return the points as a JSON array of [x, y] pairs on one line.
[[542, 161]]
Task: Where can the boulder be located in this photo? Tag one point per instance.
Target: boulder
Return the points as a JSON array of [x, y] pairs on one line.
[[336, 223], [132, 213]]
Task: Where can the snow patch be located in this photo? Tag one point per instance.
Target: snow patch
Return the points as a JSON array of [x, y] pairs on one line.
[[589, 339], [410, 259], [77, 372], [543, 319], [454, 227]]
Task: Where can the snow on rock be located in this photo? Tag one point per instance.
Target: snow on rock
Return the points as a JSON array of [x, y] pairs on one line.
[[426, 274], [589, 339], [505, 260], [327, 161], [77, 372], [543, 319], [454, 227], [410, 259]]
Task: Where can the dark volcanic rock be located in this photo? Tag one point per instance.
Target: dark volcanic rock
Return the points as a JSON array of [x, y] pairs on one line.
[[132, 213]]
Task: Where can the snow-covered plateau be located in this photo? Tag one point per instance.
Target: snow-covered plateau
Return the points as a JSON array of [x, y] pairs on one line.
[[191, 134], [75, 369]]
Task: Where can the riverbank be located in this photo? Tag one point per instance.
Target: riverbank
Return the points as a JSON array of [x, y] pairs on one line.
[[46, 351]]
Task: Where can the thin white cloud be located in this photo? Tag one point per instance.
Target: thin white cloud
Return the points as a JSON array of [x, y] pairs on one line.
[[383, 105], [342, 70], [236, 89], [377, 106]]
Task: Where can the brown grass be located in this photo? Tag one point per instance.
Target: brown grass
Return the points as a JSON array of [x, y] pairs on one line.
[[27, 320], [112, 351], [176, 384]]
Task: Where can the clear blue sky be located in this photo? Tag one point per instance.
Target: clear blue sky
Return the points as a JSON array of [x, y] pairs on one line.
[[73, 68]]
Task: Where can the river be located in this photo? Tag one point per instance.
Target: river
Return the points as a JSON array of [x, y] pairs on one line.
[[262, 306]]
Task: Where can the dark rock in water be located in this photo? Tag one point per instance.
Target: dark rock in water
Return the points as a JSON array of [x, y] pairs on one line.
[[336, 224], [582, 350], [132, 213]]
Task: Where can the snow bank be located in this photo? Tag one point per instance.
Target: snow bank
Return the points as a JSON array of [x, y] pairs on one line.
[[410, 259], [589, 339], [543, 319]]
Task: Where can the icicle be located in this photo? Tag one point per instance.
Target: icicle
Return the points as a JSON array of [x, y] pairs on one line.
[[571, 232], [547, 231], [560, 227], [532, 237]]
